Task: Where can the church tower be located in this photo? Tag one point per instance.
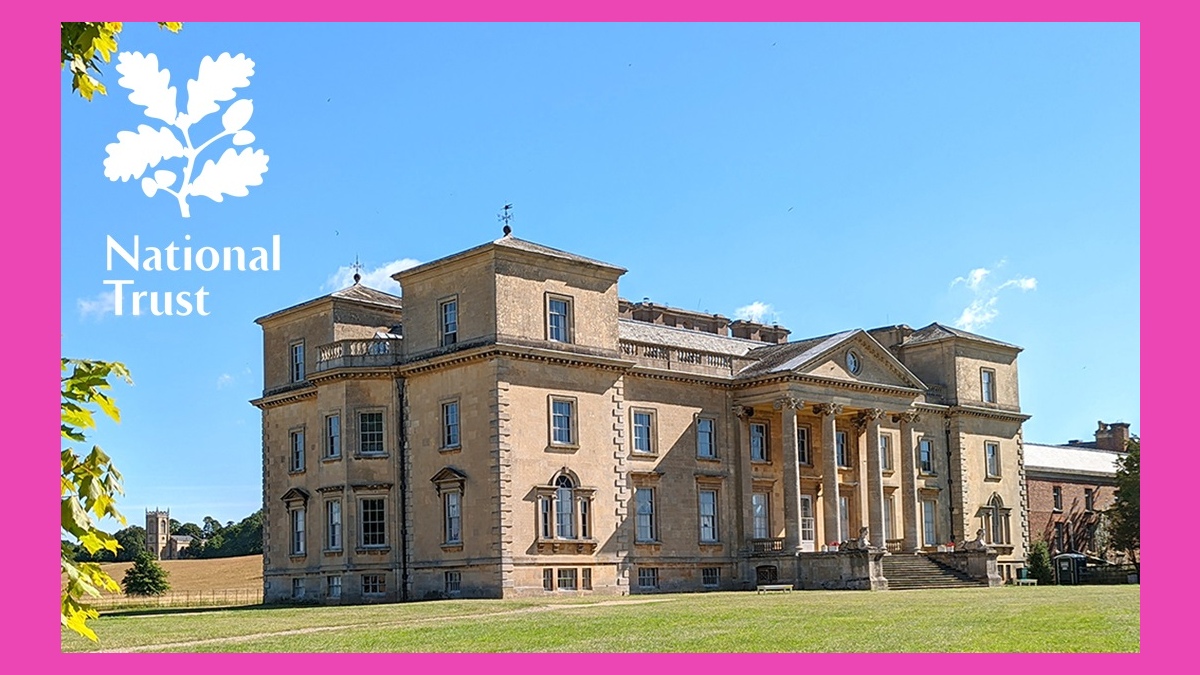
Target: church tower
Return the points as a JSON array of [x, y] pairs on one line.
[[158, 532]]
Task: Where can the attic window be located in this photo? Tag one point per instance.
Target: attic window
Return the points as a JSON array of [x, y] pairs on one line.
[[852, 362]]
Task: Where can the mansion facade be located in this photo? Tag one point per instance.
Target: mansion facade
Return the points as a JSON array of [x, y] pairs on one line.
[[514, 428]]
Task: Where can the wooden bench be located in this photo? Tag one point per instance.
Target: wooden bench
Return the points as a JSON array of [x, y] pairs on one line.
[[763, 588], [1027, 582]]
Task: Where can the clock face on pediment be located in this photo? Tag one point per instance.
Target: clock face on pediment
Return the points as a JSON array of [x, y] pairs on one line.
[[858, 363]]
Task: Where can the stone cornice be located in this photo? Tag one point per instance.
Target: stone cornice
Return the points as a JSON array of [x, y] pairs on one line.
[[970, 411], [524, 352], [273, 400]]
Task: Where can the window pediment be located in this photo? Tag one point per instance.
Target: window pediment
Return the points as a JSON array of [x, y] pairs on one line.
[[296, 495]]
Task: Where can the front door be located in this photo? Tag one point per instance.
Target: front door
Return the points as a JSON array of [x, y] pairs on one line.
[[808, 524]]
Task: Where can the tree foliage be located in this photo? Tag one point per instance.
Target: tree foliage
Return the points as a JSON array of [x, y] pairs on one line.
[[234, 539], [90, 484], [1038, 563], [1125, 515], [85, 44], [146, 577]]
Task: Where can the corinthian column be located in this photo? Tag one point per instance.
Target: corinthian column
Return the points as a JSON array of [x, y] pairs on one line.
[[829, 471], [870, 419], [908, 478], [791, 473], [746, 482]]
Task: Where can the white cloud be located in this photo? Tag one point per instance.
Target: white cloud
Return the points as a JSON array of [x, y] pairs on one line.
[[756, 312], [379, 278], [97, 307], [224, 380], [982, 309]]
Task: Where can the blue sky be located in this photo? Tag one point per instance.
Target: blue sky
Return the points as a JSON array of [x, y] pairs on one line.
[[827, 175]]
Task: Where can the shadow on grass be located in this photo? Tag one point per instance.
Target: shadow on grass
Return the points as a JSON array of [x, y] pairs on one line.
[[169, 611]]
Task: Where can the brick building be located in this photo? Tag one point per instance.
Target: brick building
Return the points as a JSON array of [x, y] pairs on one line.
[[514, 428], [1070, 486]]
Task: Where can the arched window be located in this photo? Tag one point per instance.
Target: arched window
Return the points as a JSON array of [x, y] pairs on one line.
[[564, 497], [564, 509], [995, 519]]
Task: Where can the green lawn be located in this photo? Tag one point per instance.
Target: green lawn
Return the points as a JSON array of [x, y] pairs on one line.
[[1008, 619]]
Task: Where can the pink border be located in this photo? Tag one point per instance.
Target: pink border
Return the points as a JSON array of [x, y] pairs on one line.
[[1169, 148]]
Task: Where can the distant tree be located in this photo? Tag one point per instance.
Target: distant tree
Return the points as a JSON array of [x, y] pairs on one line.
[[212, 527], [146, 577], [1038, 563], [189, 529], [85, 44], [1125, 515], [243, 538]]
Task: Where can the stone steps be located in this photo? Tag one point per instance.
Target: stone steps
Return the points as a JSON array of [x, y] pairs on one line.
[[907, 572]]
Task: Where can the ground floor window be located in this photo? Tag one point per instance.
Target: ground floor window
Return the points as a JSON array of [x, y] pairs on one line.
[[844, 518], [333, 586], [647, 577], [711, 576], [567, 578], [586, 574], [453, 582], [547, 579], [372, 584], [928, 522], [297, 588]]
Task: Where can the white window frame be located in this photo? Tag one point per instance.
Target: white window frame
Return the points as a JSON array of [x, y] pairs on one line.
[[991, 459], [297, 588], [572, 426], [889, 517], [362, 523], [706, 450], [709, 517], [448, 321], [760, 432], [564, 510], [333, 525], [842, 450], [296, 450], [923, 443], [647, 577], [566, 332], [644, 426], [1056, 494], [710, 577], [377, 581], [987, 385], [452, 517], [844, 517], [929, 522], [885, 452], [452, 582], [362, 434], [299, 538], [333, 586], [567, 579], [803, 448], [760, 505], [333, 436], [297, 353], [808, 521], [645, 525], [451, 425]]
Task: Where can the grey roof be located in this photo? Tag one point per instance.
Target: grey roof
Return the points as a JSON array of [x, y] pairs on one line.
[[182, 538], [936, 331], [509, 241], [785, 357], [1070, 459], [354, 293], [683, 338], [361, 293]]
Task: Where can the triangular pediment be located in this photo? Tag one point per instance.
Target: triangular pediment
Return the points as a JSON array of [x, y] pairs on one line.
[[448, 475], [852, 356], [295, 495]]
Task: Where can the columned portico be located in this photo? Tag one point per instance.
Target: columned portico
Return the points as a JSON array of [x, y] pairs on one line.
[[829, 469], [746, 486], [869, 418], [791, 472], [908, 478]]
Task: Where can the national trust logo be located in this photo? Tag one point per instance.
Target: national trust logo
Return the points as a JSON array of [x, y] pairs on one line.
[[136, 152]]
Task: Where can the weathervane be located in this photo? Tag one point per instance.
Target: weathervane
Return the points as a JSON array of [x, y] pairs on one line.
[[357, 267], [505, 216]]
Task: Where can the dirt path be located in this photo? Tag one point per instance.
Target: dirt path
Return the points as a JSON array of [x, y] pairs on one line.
[[235, 639]]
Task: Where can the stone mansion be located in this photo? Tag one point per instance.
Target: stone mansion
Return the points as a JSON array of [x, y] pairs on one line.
[[512, 427]]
